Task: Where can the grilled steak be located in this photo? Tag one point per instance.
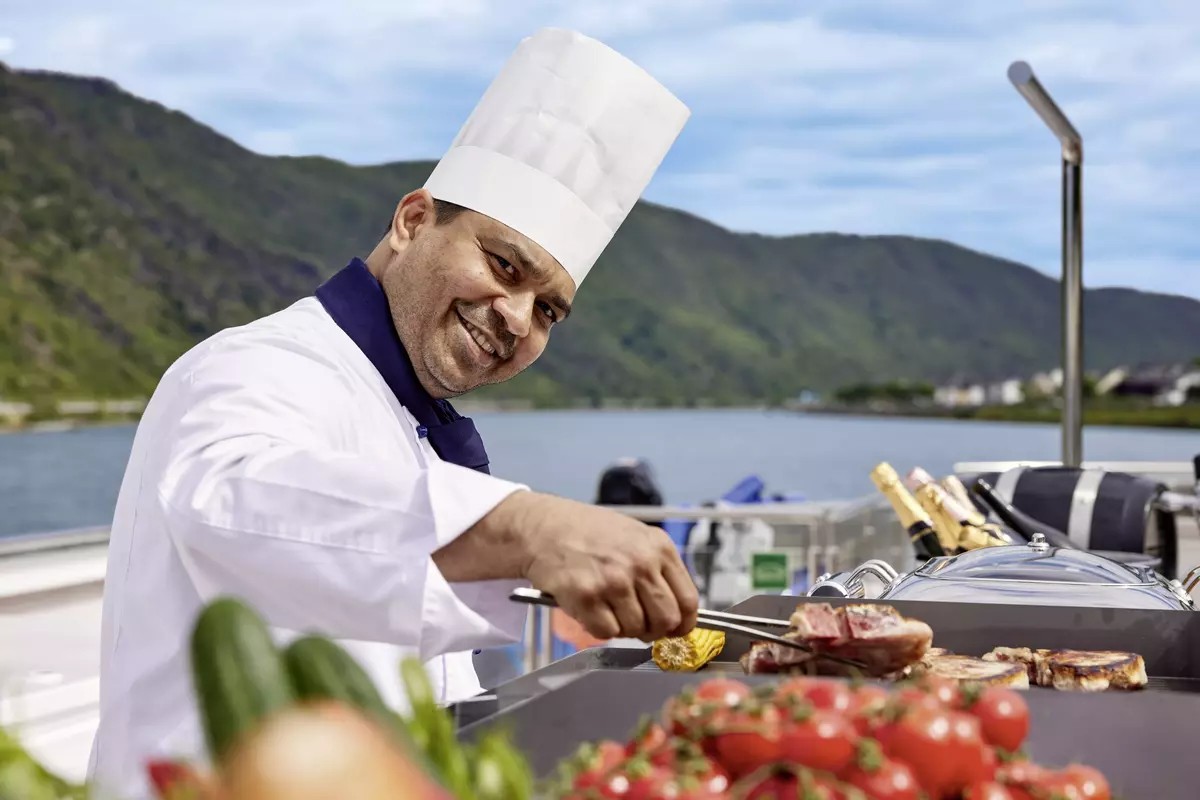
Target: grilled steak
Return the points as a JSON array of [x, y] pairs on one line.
[[1016, 655], [975, 670], [876, 635], [1077, 670]]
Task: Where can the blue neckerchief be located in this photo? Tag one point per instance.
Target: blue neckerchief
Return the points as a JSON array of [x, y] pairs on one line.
[[355, 300]]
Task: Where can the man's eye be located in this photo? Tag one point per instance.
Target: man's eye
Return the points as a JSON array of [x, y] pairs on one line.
[[504, 264], [549, 311]]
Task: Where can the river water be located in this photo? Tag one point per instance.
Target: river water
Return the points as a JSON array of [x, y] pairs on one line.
[[67, 479]]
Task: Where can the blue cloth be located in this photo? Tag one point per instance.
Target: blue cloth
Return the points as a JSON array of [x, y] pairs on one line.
[[357, 303]]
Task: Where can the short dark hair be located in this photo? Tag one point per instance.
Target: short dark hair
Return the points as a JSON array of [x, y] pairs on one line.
[[444, 213]]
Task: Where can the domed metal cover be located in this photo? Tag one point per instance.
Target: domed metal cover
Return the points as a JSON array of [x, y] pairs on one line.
[[1035, 562]]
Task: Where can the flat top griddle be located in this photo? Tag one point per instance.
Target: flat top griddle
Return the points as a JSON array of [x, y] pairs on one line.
[[1136, 739], [1144, 741]]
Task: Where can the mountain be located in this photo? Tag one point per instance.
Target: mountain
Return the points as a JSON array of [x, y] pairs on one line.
[[129, 231]]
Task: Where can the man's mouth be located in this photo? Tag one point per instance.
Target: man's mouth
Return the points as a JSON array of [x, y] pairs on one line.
[[479, 336]]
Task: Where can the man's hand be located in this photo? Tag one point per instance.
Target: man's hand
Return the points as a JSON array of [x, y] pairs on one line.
[[617, 576]]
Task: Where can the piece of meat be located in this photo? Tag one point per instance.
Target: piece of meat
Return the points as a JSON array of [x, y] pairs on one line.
[[976, 670], [769, 658], [1077, 670], [1016, 655], [818, 621], [886, 642], [880, 637], [1090, 670]]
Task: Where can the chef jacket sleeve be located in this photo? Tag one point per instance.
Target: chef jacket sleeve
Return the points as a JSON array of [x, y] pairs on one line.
[[262, 503]]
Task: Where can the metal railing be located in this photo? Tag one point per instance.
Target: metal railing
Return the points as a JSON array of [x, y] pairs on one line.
[[818, 537]]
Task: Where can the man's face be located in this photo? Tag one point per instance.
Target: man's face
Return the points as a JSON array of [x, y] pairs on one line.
[[473, 300]]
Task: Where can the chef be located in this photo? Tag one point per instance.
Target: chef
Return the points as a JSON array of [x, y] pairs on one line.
[[310, 463]]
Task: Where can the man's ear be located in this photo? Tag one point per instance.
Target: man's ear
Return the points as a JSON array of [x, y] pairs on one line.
[[414, 210]]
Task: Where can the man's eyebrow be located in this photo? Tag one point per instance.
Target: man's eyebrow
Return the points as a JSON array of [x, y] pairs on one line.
[[538, 272]]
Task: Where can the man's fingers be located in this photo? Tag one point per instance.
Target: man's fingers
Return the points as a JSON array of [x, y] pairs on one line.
[[686, 597], [629, 613], [660, 606], [599, 620]]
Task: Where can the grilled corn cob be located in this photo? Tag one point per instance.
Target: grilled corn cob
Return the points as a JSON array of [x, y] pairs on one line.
[[688, 653]]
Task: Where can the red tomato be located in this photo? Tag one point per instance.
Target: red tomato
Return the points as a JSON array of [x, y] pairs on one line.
[[1090, 782], [746, 740], [891, 780], [722, 691], [986, 791], [945, 690], [916, 697], [639, 780], [974, 759], [695, 708], [924, 739], [823, 693], [1023, 779], [650, 738], [868, 701], [823, 740], [1003, 717], [597, 763]]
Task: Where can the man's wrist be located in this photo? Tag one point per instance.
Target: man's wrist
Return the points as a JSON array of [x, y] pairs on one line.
[[520, 518]]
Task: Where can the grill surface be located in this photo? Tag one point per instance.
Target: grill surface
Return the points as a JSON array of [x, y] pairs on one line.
[[1097, 729]]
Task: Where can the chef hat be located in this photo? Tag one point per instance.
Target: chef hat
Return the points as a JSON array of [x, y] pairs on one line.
[[561, 145]]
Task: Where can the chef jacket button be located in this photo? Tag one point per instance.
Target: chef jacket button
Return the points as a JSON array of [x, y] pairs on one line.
[[422, 431]]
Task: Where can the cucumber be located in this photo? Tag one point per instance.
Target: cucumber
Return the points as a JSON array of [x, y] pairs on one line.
[[238, 674], [320, 669], [434, 728]]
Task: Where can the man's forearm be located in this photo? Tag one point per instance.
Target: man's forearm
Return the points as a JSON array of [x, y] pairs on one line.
[[497, 547]]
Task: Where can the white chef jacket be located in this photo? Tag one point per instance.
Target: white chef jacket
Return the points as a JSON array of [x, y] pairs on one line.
[[274, 464]]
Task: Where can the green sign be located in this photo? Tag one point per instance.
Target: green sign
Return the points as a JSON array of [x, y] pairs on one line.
[[769, 571]]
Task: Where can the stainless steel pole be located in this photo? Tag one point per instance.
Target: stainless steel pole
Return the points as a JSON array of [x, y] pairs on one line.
[[1022, 77]]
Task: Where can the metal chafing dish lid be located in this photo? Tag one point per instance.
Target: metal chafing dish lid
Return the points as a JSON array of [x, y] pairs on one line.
[[1036, 561]]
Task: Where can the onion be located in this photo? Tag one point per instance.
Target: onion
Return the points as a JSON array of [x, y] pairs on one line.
[[320, 752]]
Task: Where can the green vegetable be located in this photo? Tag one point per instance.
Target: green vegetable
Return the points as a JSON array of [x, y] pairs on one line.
[[20, 779], [434, 729], [239, 675], [501, 773], [320, 669]]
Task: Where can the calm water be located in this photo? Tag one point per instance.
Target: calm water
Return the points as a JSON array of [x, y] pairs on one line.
[[51, 481]]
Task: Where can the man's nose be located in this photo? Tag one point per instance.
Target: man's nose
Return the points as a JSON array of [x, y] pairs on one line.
[[517, 312]]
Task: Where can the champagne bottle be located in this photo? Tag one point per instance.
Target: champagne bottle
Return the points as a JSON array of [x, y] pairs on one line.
[[947, 516], [959, 492], [968, 525], [914, 518], [1025, 525]]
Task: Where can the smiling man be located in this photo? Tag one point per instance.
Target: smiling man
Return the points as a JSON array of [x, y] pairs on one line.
[[310, 462]]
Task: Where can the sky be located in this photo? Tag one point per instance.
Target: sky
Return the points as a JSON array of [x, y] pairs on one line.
[[883, 117]]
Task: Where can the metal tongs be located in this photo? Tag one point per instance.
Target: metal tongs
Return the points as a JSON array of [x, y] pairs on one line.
[[714, 620]]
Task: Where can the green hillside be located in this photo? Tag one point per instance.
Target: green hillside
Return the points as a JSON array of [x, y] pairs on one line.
[[129, 231]]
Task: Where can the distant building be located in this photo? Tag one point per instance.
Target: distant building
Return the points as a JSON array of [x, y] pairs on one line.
[[962, 395], [1110, 380], [13, 413], [1163, 384], [1005, 393], [1047, 383]]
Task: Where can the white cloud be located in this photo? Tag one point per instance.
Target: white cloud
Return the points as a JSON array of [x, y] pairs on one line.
[[7, 45], [851, 115]]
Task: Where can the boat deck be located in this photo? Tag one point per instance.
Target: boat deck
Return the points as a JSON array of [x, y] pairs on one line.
[[50, 612]]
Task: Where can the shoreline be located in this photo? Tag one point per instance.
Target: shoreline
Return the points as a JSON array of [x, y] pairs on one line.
[[1186, 417]]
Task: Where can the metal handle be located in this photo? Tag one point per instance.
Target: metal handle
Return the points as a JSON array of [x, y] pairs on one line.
[[877, 567]]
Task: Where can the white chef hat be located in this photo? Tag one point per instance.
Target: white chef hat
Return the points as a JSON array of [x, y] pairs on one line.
[[561, 145]]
